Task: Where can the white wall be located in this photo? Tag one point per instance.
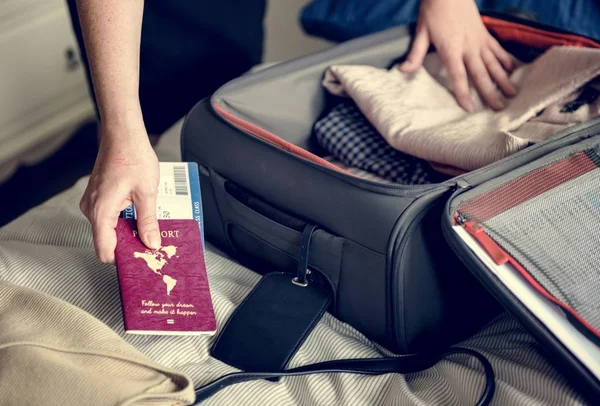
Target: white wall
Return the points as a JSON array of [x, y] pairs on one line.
[[284, 36]]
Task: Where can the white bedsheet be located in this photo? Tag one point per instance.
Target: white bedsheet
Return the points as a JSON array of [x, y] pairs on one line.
[[50, 249]]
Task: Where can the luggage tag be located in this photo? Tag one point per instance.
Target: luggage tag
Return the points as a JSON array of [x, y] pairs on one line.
[[274, 320]]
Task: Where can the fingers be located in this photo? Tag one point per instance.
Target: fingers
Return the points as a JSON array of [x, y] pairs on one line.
[[417, 53], [103, 218], [483, 82], [501, 55], [458, 77], [105, 238], [497, 72], [102, 210], [145, 206]]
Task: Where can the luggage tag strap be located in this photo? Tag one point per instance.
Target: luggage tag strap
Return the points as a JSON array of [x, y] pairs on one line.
[[368, 366], [301, 278], [273, 321]]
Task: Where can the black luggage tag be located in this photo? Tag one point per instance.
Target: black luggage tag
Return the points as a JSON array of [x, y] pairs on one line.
[[270, 325]]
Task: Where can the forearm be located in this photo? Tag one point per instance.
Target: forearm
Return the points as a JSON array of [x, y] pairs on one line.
[[112, 32]]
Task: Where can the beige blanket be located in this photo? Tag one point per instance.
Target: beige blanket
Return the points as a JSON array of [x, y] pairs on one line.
[[53, 353]]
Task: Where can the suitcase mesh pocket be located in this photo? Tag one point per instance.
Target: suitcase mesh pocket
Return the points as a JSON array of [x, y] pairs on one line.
[[548, 222]]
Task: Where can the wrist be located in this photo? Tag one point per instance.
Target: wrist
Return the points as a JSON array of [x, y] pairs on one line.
[[124, 135], [123, 124], [122, 116]]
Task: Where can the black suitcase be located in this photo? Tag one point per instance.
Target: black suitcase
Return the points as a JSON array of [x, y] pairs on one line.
[[388, 252]]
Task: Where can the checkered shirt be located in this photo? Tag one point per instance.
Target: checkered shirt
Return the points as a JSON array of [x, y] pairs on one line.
[[346, 134]]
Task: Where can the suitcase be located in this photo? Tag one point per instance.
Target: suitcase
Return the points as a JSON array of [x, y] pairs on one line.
[[390, 253]]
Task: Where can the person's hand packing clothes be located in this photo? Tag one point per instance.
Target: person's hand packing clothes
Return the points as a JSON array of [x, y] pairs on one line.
[[468, 50]]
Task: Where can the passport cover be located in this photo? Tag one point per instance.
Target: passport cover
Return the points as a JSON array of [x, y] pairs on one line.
[[164, 291]]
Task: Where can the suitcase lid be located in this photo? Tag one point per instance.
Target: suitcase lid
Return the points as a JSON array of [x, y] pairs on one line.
[[529, 236]]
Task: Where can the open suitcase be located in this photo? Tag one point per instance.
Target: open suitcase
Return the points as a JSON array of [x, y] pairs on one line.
[[402, 269]]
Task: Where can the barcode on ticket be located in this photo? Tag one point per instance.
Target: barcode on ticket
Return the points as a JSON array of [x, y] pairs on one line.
[[181, 180], [179, 195]]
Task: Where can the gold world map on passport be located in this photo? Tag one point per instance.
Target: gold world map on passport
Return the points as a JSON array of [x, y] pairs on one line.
[[156, 260]]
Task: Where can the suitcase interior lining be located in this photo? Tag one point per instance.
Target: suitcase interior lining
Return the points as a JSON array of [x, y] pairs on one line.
[[543, 221], [358, 172], [281, 104]]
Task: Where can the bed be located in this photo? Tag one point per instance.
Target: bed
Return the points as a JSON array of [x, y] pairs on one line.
[[50, 249]]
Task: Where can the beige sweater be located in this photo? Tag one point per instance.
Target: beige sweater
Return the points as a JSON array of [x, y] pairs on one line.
[[417, 114], [53, 353]]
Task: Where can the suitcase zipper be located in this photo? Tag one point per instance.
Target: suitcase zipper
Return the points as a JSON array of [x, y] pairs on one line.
[[488, 244]]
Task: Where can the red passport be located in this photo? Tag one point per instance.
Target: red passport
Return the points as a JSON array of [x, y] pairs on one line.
[[164, 291]]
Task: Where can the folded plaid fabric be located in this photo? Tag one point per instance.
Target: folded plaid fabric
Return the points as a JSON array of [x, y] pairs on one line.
[[347, 135]]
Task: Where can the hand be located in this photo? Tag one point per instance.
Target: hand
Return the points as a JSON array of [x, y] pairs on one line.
[[126, 171], [463, 43]]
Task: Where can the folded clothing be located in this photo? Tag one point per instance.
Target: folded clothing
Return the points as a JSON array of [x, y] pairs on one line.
[[347, 135], [417, 113]]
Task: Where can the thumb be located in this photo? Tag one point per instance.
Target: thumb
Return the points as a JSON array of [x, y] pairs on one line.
[[147, 223], [417, 52]]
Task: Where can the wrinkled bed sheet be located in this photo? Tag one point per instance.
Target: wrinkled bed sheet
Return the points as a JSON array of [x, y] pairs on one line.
[[50, 249]]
